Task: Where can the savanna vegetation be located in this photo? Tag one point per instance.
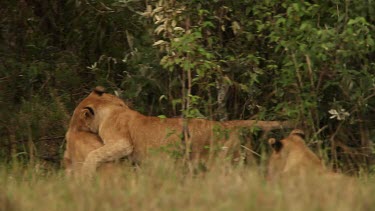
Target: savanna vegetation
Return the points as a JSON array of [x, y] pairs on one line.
[[311, 62], [163, 185]]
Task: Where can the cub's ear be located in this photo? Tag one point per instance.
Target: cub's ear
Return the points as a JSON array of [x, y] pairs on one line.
[[99, 90], [298, 132], [275, 145]]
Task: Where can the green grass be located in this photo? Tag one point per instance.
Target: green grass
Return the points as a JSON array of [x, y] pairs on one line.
[[164, 185]]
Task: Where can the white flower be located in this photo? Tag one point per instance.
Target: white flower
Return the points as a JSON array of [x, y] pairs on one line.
[[339, 115]]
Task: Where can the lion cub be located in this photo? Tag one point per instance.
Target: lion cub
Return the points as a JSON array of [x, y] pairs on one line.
[[291, 156], [293, 164], [79, 145]]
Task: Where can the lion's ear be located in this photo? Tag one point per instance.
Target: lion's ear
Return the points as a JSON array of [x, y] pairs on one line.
[[99, 90], [275, 144], [298, 132], [88, 112]]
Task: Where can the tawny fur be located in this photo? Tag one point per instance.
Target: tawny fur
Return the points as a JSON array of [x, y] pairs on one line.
[[80, 141], [126, 132], [291, 157], [79, 145]]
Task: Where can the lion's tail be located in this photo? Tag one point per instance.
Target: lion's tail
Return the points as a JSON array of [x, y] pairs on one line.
[[263, 125]]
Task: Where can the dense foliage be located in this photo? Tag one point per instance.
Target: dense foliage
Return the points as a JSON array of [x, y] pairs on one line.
[[312, 62]]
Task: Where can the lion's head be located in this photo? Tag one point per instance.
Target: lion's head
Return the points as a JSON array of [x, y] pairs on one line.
[[82, 136], [291, 156], [86, 116]]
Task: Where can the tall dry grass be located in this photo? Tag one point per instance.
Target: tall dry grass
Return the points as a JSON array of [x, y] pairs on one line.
[[165, 185]]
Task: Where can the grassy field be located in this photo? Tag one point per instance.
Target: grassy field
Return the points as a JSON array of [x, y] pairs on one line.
[[164, 185]]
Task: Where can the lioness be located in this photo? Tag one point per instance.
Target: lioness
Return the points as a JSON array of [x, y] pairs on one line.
[[126, 132], [291, 156], [80, 141]]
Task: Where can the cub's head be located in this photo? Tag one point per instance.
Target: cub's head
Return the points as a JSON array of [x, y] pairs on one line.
[[91, 110], [291, 155], [295, 138]]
